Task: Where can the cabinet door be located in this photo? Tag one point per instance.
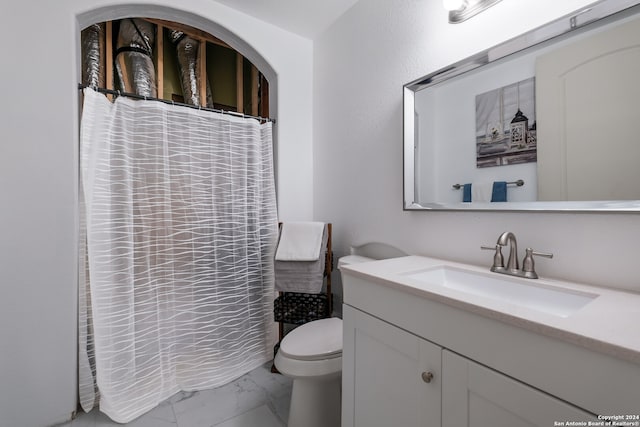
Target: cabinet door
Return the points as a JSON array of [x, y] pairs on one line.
[[386, 375], [474, 395]]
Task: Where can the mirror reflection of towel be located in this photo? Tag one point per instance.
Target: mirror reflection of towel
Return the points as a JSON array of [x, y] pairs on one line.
[[477, 192], [499, 192], [466, 193], [485, 192], [481, 191]]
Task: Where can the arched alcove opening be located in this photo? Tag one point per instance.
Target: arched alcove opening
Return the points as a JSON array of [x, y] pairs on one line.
[[185, 20]]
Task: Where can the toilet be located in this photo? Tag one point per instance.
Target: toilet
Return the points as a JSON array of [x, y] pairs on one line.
[[311, 355]]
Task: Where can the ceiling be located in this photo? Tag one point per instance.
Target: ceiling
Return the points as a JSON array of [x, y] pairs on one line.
[[307, 18]]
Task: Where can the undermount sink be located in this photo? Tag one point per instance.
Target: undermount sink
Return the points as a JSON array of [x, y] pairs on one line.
[[536, 296]]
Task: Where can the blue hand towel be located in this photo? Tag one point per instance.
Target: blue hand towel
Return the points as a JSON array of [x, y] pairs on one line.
[[499, 193], [466, 193]]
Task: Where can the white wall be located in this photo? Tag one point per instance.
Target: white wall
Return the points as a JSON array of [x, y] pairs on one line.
[[38, 179], [360, 65]]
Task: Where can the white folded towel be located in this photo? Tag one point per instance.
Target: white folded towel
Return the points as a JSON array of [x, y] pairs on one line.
[[300, 241], [481, 191]]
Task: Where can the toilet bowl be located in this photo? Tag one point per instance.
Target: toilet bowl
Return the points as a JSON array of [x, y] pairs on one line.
[[311, 355]]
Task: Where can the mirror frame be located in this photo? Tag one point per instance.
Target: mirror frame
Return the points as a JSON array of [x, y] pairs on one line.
[[602, 12]]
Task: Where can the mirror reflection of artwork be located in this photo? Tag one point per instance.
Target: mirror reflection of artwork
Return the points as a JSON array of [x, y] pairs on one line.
[[506, 125]]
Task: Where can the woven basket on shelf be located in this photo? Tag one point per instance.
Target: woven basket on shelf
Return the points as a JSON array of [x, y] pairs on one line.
[[298, 308]]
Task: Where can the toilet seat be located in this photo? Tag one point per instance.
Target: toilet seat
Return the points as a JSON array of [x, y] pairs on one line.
[[312, 350], [317, 340]]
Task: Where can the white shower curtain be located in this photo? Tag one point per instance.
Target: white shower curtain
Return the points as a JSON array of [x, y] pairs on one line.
[[181, 225]]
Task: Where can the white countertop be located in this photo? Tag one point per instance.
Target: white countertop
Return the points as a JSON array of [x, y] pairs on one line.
[[610, 323]]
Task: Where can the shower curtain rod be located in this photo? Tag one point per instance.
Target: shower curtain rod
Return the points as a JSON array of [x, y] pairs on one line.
[[148, 98]]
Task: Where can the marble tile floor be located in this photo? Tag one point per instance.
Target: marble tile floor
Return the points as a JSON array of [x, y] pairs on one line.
[[257, 399]]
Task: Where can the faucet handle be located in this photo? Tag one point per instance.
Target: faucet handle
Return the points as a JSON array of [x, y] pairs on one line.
[[498, 259], [528, 265]]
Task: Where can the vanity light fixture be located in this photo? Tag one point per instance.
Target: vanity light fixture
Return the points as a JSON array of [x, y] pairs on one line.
[[461, 10]]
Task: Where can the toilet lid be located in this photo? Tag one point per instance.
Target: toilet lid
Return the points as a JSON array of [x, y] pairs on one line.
[[320, 339]]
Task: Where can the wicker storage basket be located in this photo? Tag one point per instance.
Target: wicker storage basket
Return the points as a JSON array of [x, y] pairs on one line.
[[298, 308]]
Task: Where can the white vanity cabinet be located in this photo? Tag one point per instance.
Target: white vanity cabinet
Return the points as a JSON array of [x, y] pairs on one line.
[[486, 363], [393, 377], [474, 395]]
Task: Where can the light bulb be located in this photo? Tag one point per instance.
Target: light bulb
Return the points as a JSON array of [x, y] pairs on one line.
[[453, 4]]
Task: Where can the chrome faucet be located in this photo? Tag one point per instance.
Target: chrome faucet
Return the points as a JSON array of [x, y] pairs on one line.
[[508, 238], [513, 269]]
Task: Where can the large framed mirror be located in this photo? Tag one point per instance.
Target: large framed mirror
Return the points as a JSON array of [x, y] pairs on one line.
[[548, 121]]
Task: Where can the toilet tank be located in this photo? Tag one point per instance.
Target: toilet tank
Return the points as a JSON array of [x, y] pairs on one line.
[[353, 259], [370, 252], [377, 250], [364, 253]]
